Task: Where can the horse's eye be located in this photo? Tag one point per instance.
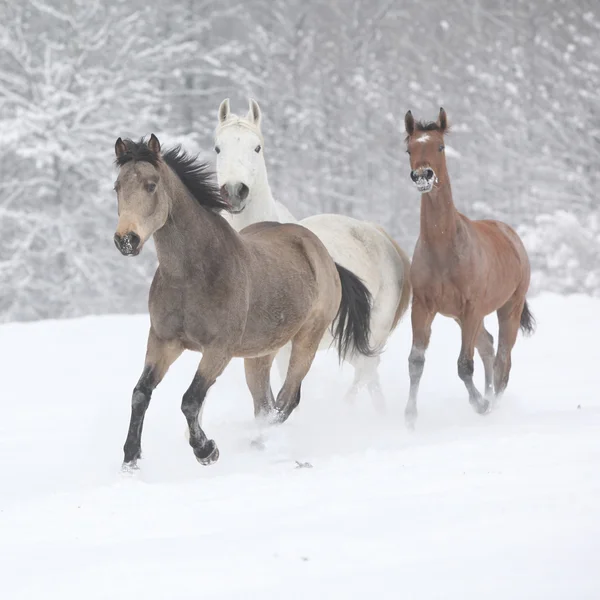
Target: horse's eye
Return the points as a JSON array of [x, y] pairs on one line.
[[151, 187], [257, 149], [408, 152], [441, 147], [217, 149]]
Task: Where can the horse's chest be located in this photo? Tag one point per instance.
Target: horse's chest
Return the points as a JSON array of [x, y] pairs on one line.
[[439, 290]]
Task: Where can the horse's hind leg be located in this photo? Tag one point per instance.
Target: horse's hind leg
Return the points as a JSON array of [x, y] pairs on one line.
[[160, 355], [485, 347], [470, 326], [282, 361], [258, 378], [213, 363], [509, 319], [304, 347], [366, 373]]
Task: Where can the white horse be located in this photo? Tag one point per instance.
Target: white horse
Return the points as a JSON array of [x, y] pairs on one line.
[[361, 247]]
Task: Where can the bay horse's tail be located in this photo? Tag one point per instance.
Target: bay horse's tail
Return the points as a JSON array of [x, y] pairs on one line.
[[527, 320], [352, 324], [406, 293]]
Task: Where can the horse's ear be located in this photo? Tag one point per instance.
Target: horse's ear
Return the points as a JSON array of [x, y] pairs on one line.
[[120, 148], [409, 123], [254, 114], [154, 144], [442, 120], [224, 110]]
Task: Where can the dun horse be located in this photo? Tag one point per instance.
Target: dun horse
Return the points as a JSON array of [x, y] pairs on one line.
[[225, 294], [364, 248], [461, 269]]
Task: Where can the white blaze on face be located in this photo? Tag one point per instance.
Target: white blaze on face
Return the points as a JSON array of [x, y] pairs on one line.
[[423, 139]]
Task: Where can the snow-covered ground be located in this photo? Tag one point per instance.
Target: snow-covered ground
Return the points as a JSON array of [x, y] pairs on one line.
[[505, 506]]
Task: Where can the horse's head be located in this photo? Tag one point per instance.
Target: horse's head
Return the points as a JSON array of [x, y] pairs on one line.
[[143, 202], [425, 146], [240, 160]]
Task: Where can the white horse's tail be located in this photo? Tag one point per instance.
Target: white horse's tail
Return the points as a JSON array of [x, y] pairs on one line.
[[406, 293]]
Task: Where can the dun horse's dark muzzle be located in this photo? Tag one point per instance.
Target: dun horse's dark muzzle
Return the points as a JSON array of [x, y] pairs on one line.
[[128, 244]]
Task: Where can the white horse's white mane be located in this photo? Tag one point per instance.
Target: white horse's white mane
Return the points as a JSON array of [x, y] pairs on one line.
[[234, 120]]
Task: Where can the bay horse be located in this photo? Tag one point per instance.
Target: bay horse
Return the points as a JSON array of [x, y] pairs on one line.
[[363, 248], [462, 269], [223, 293]]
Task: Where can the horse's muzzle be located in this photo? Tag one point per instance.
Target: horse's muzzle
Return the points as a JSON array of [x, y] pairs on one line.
[[128, 244], [235, 194], [424, 178]]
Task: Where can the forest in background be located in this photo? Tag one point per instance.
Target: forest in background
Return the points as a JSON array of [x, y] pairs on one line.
[[520, 81]]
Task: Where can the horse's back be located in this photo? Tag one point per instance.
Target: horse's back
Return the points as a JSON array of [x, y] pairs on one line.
[[358, 245], [290, 247], [292, 276]]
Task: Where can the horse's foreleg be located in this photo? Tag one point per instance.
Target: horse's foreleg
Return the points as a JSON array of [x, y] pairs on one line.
[[421, 319], [213, 363], [160, 355], [470, 326], [304, 347], [485, 347], [509, 319], [258, 378]]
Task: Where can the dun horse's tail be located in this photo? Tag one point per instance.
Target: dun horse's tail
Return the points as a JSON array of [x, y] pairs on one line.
[[527, 320], [406, 293], [352, 324]]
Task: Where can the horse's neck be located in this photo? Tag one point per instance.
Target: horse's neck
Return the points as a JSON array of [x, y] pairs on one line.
[[192, 238], [439, 217], [260, 206]]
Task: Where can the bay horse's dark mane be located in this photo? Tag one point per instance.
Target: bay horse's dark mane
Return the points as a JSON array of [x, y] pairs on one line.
[[195, 175], [428, 126]]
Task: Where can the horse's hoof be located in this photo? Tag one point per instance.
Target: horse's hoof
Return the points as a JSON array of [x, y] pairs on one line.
[[277, 416], [130, 468], [482, 406], [410, 420], [208, 454]]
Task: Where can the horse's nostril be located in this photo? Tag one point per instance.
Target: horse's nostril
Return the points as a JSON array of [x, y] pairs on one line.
[[118, 241], [243, 191], [428, 174], [414, 176], [134, 240]]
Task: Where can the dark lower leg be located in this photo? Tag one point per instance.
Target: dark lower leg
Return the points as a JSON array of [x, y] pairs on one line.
[[303, 354], [258, 379], [210, 368], [466, 367], [421, 326], [140, 401], [160, 355], [485, 347]]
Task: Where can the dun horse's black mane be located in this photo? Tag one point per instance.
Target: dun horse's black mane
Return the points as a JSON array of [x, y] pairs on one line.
[[194, 174]]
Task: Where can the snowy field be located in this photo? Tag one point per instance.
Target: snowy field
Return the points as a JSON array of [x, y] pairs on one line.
[[505, 506]]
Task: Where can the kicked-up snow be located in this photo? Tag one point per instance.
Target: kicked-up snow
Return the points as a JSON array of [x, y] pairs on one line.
[[505, 506]]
